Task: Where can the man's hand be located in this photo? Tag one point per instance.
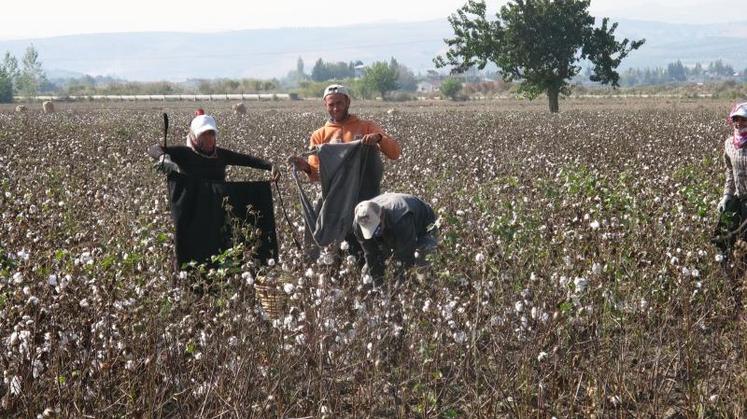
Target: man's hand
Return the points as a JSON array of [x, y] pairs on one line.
[[300, 163], [275, 173], [166, 166], [722, 204], [371, 139]]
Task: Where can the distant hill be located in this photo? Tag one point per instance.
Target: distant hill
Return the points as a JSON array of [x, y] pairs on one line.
[[271, 53]]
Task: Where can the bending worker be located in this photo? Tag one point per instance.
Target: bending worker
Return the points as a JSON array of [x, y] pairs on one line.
[[398, 225]]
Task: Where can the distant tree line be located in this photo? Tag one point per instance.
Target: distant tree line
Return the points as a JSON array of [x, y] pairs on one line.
[[27, 79], [366, 81], [105, 85], [676, 72], [388, 80]]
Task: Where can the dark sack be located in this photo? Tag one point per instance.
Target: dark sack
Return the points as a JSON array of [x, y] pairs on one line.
[[727, 229], [349, 173], [201, 226]]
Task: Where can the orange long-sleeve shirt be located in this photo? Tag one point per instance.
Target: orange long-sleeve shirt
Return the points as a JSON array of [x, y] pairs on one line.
[[351, 129]]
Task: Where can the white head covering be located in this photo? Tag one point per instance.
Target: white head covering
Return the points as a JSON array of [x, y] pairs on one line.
[[368, 217]]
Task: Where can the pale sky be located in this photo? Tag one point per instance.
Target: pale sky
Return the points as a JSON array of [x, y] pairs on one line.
[[24, 19]]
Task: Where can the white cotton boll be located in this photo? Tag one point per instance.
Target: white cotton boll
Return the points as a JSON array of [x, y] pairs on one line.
[[426, 306], [596, 268], [270, 262], [26, 290], [695, 273], [183, 274], [367, 279], [460, 337], [643, 304], [326, 258], [288, 288], [309, 273], [344, 246], [357, 305], [542, 356], [84, 303], [580, 284], [248, 278], [52, 280], [685, 271], [15, 385], [594, 225], [23, 255], [567, 260], [17, 278], [719, 257], [479, 258], [518, 306]]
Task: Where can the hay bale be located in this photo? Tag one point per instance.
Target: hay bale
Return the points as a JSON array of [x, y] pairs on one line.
[[239, 108], [21, 108], [48, 106]]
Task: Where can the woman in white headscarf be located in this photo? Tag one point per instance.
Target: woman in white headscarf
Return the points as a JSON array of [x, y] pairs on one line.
[[201, 157], [733, 205]]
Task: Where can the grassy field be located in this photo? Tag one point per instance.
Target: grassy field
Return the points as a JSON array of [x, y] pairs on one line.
[[574, 275]]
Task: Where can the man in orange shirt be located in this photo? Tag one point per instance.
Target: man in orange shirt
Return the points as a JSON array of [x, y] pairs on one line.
[[344, 127]]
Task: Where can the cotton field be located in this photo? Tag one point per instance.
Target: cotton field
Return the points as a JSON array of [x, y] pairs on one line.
[[574, 275]]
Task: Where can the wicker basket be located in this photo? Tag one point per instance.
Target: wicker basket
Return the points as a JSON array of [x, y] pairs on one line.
[[272, 298]]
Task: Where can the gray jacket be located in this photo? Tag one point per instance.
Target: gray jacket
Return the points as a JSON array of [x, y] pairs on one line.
[[405, 219]]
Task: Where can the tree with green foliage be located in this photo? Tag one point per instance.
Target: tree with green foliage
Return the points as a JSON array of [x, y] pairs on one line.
[[405, 77], [10, 67], [320, 72], [332, 71], [536, 42], [677, 71], [451, 87], [32, 76], [6, 87], [380, 77]]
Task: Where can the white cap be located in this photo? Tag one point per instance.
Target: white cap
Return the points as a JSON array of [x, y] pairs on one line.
[[740, 109], [336, 88], [202, 123], [368, 217]]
